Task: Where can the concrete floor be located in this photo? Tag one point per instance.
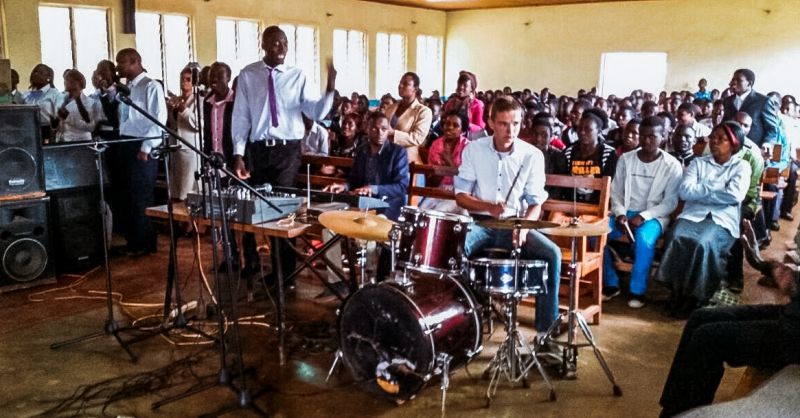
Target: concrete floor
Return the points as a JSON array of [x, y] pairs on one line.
[[96, 377]]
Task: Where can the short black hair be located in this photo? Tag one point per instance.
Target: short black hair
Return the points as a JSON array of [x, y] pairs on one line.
[[748, 74], [414, 77], [461, 114], [652, 122], [688, 107], [667, 116], [598, 115]]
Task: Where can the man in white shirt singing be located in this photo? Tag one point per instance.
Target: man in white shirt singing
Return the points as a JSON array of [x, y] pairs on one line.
[[267, 127]]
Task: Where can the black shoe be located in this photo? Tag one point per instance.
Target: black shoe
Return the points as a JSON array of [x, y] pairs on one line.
[[610, 293], [787, 216], [775, 226]]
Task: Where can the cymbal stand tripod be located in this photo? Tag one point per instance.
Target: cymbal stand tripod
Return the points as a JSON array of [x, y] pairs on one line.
[[574, 319], [508, 361]]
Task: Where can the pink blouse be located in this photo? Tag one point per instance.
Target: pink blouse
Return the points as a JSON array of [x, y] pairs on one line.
[[475, 114], [435, 155]]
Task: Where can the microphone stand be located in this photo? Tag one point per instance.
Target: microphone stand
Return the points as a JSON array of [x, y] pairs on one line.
[[216, 164], [111, 327]]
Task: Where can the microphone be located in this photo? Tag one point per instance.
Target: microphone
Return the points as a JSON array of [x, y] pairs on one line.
[[122, 89], [195, 67]]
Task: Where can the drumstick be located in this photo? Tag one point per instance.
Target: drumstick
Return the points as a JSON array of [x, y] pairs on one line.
[[513, 183]]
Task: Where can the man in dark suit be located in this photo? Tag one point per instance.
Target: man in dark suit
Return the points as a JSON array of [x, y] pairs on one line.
[[380, 168], [763, 110]]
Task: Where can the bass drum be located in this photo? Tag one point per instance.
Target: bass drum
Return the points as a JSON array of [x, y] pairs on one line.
[[391, 336]]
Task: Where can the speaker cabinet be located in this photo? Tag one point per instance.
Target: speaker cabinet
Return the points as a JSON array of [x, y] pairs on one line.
[[25, 244], [77, 228], [67, 167], [20, 151]]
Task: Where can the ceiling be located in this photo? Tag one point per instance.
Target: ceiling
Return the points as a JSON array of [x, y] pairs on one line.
[[449, 5]]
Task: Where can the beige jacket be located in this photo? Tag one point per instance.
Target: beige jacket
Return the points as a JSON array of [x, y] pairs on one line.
[[412, 128]]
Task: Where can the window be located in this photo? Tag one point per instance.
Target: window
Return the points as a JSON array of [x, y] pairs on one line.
[[350, 60], [623, 72], [390, 62], [238, 43], [164, 42], [429, 63], [303, 51], [73, 37]]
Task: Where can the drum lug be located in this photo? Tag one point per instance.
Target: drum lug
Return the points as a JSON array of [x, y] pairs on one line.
[[434, 329], [417, 257], [469, 311], [421, 224], [453, 263], [471, 354], [457, 228]]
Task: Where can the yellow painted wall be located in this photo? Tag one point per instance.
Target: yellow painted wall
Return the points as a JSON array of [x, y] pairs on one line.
[[560, 46], [24, 50]]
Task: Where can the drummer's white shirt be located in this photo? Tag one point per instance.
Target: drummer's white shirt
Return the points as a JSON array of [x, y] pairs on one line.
[[488, 174]]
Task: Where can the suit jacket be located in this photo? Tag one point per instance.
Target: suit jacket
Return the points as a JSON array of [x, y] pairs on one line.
[[764, 112], [227, 139], [392, 173], [411, 128]]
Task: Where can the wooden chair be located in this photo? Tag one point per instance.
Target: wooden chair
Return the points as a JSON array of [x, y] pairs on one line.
[[429, 171], [319, 181], [589, 256]]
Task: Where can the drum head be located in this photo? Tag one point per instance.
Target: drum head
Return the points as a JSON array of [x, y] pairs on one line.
[[383, 344]]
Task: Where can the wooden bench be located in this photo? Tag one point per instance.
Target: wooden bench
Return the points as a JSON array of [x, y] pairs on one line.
[[319, 181], [430, 172]]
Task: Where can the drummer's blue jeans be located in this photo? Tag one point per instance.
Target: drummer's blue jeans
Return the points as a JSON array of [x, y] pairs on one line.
[[646, 236], [537, 247]]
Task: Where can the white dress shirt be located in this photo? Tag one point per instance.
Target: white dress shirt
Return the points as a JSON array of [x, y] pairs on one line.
[[149, 95], [718, 190], [488, 175], [46, 100], [74, 128], [316, 140], [293, 93]]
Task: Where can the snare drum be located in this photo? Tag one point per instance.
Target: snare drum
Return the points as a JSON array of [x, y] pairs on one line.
[[432, 241], [496, 276]]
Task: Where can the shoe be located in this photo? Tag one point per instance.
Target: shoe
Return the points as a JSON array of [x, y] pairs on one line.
[[636, 302], [787, 216], [775, 226], [610, 293]]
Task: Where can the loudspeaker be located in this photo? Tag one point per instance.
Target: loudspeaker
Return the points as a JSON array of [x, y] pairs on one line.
[[77, 228], [20, 150], [67, 167], [25, 244]]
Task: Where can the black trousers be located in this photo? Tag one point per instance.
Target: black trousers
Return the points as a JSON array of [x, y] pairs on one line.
[[745, 335], [133, 181], [277, 165]]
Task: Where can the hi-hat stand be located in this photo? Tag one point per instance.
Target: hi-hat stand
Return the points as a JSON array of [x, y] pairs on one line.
[[111, 326], [574, 319]]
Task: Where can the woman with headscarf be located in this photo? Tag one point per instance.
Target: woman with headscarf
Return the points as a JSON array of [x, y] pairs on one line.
[[713, 188]]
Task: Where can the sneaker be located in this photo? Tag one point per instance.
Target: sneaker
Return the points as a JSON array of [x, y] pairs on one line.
[[610, 293], [636, 302]]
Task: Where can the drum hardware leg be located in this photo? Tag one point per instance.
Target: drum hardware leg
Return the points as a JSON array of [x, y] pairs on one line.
[[394, 236], [443, 367], [337, 360]]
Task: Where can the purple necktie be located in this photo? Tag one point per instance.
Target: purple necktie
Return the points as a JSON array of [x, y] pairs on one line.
[[273, 102]]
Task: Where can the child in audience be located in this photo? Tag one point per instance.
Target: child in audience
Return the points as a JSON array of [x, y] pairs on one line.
[[630, 137], [589, 157]]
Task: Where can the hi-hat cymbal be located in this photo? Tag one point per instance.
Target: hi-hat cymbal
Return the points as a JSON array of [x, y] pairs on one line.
[[517, 223], [357, 225], [579, 230]]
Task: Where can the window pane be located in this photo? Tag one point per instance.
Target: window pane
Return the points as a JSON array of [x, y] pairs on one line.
[[289, 30], [148, 43], [91, 39], [56, 41], [390, 62], [350, 59], [429, 63], [249, 50], [226, 44], [307, 54], [177, 49]]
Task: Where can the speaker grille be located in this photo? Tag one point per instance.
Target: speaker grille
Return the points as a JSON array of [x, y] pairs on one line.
[[24, 259], [20, 171]]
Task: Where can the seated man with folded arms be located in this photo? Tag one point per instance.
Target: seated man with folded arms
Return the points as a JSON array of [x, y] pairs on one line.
[[644, 192], [486, 187]]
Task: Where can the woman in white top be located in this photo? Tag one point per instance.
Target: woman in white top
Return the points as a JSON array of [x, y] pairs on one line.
[[43, 93], [183, 117], [76, 112]]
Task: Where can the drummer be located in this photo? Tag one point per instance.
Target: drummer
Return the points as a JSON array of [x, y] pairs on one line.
[[496, 175]]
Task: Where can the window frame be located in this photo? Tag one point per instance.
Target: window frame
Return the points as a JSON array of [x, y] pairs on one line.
[[162, 42], [440, 62], [389, 35], [317, 65], [365, 54], [72, 31]]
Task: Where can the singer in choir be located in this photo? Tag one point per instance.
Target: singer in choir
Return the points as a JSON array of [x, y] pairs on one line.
[[76, 112]]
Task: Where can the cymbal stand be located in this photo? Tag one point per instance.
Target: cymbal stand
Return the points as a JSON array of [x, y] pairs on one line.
[[574, 319], [111, 327]]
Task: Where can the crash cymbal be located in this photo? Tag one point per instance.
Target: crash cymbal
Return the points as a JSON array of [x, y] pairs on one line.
[[579, 230], [357, 225], [517, 223]]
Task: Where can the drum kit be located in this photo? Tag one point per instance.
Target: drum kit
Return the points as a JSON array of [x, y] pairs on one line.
[[396, 336]]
